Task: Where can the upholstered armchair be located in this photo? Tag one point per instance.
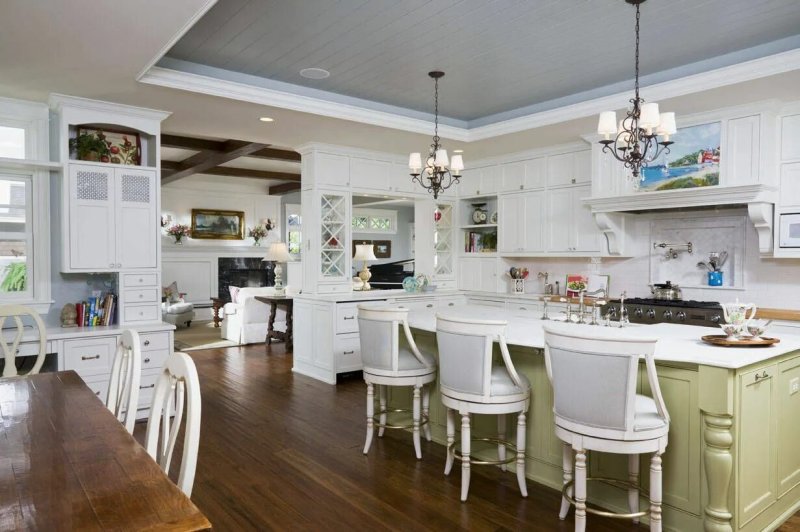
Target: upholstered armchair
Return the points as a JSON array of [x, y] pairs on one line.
[[245, 318], [174, 308]]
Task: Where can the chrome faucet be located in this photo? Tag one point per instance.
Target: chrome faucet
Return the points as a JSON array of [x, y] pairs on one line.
[[623, 312], [582, 304]]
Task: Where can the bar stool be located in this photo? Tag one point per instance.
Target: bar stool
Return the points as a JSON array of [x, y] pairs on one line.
[[471, 384], [597, 408], [386, 363]]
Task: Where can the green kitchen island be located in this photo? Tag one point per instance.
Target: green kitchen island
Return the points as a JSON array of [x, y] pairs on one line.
[[733, 459]]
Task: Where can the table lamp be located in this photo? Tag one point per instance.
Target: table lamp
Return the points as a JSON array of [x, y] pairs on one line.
[[278, 253], [364, 252]]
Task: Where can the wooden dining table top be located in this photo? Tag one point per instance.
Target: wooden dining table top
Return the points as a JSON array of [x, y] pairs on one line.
[[66, 463]]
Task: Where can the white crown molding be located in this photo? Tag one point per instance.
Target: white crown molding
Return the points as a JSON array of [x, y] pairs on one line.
[[58, 101], [285, 100], [174, 39], [721, 77], [684, 198]]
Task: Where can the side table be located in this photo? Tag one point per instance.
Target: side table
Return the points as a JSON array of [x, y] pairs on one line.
[[274, 302], [217, 304]]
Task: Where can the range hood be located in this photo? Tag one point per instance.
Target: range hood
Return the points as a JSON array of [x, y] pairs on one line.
[[610, 212]]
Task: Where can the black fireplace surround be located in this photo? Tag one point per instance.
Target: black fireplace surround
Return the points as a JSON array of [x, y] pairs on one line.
[[241, 272]]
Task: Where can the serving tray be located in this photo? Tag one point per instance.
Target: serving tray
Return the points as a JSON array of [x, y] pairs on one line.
[[721, 339]]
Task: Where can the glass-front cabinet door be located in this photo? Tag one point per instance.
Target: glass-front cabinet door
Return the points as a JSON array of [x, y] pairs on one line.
[[443, 241], [333, 236]]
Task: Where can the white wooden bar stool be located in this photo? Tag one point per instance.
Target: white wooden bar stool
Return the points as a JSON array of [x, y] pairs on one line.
[[597, 408], [387, 363], [471, 384]]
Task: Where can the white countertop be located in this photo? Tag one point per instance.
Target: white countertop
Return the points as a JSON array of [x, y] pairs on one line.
[[376, 294], [677, 343]]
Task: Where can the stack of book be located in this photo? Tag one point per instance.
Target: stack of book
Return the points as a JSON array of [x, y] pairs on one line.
[[97, 310], [472, 242]]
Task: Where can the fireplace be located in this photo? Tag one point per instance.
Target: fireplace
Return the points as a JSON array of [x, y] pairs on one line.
[[241, 272]]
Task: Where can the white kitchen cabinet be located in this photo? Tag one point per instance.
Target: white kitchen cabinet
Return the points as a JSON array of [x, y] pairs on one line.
[[790, 138], [569, 168], [513, 176], [523, 175], [790, 185], [742, 153], [570, 224], [480, 181], [521, 220], [369, 174], [478, 274], [331, 169], [535, 173], [488, 275], [112, 218], [400, 181]]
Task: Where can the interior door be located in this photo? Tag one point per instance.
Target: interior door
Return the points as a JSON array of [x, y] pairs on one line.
[[91, 218], [137, 232]]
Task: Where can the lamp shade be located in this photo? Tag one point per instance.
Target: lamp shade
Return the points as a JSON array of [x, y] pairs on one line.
[[364, 252], [277, 252], [667, 125], [440, 158], [457, 164], [607, 125], [415, 161], [650, 117]]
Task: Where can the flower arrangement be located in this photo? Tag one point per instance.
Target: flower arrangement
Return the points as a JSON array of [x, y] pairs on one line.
[[261, 231], [178, 231]]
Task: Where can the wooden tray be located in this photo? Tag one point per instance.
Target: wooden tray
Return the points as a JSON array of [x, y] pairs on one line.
[[721, 339]]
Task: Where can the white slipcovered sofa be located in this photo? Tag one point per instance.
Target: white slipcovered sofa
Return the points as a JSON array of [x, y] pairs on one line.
[[245, 320]]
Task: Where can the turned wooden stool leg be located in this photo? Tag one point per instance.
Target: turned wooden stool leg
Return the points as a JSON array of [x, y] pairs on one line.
[[426, 410], [465, 452], [370, 413], [655, 492], [521, 432], [451, 438], [501, 435], [415, 421], [382, 403], [568, 465], [633, 477], [580, 490]]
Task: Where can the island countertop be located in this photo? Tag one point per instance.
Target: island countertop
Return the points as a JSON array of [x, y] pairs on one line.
[[677, 343]]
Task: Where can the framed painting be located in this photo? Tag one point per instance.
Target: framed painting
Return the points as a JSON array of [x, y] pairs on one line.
[[383, 249], [217, 225], [692, 161], [124, 147]]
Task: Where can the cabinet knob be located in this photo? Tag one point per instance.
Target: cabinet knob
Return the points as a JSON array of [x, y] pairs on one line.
[[763, 376], [111, 265], [451, 304], [520, 187], [147, 360], [97, 393], [141, 313], [141, 296], [573, 180], [429, 305], [146, 343]]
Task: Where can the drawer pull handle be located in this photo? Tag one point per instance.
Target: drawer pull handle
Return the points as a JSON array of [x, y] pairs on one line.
[[146, 343], [451, 304], [429, 305], [95, 357], [348, 352], [523, 308], [141, 296], [349, 317], [764, 375], [141, 280], [141, 313], [97, 393], [146, 360], [148, 386]]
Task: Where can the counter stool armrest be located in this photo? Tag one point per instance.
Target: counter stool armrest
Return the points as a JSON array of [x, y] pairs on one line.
[[412, 344], [512, 371], [652, 376]]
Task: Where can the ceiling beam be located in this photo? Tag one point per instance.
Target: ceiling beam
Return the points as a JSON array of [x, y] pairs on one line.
[[206, 160], [283, 189], [195, 144], [231, 171]]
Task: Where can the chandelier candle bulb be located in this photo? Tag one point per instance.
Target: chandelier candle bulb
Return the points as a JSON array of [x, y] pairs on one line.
[[607, 125], [667, 125], [650, 116], [457, 164], [441, 160], [415, 162]]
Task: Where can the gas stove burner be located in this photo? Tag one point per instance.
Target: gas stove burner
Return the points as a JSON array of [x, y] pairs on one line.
[[649, 301], [650, 310]]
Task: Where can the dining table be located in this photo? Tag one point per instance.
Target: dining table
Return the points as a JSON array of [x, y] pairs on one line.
[[66, 463]]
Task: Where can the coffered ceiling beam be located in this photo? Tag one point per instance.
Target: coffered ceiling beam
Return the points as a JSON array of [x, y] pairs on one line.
[[283, 188], [205, 160], [195, 144], [231, 171]]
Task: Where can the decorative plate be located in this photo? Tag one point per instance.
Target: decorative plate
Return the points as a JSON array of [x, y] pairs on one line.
[[721, 339], [493, 219]]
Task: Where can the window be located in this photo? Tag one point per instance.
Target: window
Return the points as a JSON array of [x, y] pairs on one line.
[[294, 230], [12, 142], [374, 221], [15, 238]]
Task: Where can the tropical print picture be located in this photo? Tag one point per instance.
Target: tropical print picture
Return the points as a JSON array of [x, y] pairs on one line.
[[692, 161], [122, 147]]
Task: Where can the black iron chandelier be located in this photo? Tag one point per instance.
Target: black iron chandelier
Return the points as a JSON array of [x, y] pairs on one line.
[[438, 173], [635, 140]]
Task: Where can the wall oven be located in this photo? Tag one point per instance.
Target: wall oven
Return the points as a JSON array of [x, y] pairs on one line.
[[789, 235]]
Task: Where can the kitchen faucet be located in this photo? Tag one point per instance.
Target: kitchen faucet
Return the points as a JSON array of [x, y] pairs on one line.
[[582, 305]]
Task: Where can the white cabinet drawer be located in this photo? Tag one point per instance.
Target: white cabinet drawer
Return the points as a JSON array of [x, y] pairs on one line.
[[486, 302], [154, 341], [449, 302], [524, 309], [346, 318], [151, 312], [99, 387], [154, 360], [142, 295], [147, 387], [90, 356], [347, 353], [130, 280], [417, 304]]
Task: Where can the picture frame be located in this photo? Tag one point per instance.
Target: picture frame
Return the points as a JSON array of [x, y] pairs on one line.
[[125, 146], [693, 160], [217, 225], [575, 283], [383, 249]]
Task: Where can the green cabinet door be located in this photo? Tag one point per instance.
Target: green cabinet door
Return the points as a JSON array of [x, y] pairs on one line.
[[788, 384]]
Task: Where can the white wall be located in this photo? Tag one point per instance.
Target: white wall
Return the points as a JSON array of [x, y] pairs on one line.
[[401, 240]]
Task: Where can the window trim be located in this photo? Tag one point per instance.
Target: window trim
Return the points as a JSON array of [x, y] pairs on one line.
[[369, 214]]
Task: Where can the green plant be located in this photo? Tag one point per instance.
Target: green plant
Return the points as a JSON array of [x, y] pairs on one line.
[[86, 143], [15, 277], [489, 241]]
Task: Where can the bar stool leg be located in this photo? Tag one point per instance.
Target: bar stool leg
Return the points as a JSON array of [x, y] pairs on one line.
[[501, 435], [633, 477], [382, 399], [451, 438], [416, 412], [465, 452], [521, 432], [655, 492], [370, 413], [567, 465], [426, 408], [580, 490]]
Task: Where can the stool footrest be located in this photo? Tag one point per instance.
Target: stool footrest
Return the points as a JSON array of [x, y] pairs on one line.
[[614, 482], [507, 444], [422, 421]]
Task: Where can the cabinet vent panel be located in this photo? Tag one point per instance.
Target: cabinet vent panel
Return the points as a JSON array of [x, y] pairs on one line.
[[92, 185], [136, 188]]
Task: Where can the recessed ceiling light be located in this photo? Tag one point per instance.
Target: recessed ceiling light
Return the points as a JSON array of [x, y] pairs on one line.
[[458, 151], [314, 73], [266, 119]]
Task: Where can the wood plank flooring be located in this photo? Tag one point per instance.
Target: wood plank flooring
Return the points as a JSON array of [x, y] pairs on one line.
[[280, 451]]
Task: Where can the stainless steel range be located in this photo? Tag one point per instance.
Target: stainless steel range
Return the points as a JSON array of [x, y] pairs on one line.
[[649, 310]]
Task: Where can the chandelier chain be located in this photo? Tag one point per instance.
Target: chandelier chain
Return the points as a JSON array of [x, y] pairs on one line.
[[436, 113], [636, 86]]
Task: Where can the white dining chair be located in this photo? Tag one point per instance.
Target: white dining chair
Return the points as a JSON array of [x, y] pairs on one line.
[[19, 314], [177, 388], [126, 372], [387, 363], [596, 408], [471, 384]]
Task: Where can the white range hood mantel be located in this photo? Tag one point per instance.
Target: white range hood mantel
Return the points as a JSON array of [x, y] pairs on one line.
[[759, 199]]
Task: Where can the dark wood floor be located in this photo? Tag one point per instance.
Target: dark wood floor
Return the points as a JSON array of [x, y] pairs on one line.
[[280, 451]]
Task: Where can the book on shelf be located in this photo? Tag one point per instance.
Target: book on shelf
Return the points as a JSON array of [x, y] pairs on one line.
[[97, 310], [472, 242]]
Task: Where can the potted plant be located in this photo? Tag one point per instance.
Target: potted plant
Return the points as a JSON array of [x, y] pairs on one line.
[[15, 277], [90, 147], [178, 231], [261, 231], [489, 241]]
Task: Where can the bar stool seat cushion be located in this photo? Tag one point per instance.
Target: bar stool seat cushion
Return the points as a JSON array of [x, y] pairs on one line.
[[503, 385], [407, 361], [646, 416]]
